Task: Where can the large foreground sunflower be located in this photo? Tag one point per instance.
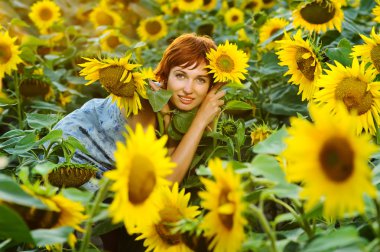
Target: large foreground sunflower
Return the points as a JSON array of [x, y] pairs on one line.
[[227, 63], [224, 223], [152, 29], [234, 17], [355, 87], [118, 77], [370, 51], [332, 164], [270, 27], [319, 15], [304, 66], [44, 14], [9, 54], [172, 208], [138, 177]]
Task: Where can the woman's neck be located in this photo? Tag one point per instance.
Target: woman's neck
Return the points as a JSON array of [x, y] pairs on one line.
[[145, 116]]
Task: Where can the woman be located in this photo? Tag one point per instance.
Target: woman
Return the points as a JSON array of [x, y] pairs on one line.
[[99, 124]]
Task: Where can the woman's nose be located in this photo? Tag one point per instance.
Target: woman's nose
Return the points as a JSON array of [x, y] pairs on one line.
[[188, 88]]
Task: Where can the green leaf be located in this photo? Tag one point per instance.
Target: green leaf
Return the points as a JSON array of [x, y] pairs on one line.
[[339, 238], [173, 133], [25, 144], [43, 237], [13, 226], [237, 105], [10, 191], [341, 53], [76, 144], [28, 55], [182, 120], [158, 99], [52, 136], [273, 144], [41, 105], [268, 167], [13, 133], [44, 168], [38, 121]]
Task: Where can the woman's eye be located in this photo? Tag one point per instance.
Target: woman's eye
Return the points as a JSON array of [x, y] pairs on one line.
[[202, 81], [180, 76]]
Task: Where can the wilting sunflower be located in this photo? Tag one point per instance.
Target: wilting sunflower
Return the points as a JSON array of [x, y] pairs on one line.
[[209, 5], [224, 223], [111, 39], [190, 5], [9, 54], [252, 5], [303, 63], [44, 14], [369, 52], [355, 87], [173, 207], [102, 15], [152, 29], [260, 133], [376, 12], [120, 79], [228, 63], [234, 17], [271, 26], [267, 4], [332, 164], [319, 15], [138, 177]]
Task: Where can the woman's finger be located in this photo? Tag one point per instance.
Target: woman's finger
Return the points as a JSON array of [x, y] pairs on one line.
[[155, 86], [217, 86]]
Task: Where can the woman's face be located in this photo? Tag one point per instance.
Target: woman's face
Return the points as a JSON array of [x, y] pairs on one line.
[[189, 86]]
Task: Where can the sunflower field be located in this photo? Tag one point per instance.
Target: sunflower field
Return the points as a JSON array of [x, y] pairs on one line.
[[291, 164]]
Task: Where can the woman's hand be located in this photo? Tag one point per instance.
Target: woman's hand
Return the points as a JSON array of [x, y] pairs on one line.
[[211, 106]]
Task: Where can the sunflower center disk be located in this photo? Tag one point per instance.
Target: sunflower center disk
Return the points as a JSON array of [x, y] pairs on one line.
[[142, 180], [267, 1], [337, 159], [5, 53], [226, 219], [352, 92], [163, 228], [225, 63], [250, 5], [46, 14], [375, 57], [206, 2], [318, 12], [235, 18], [153, 27], [110, 76], [104, 19], [113, 41], [305, 65]]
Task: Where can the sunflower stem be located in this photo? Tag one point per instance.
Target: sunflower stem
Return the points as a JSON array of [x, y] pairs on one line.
[[98, 200], [19, 100], [264, 223], [304, 223]]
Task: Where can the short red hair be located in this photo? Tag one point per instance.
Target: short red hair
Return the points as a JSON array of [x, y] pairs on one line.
[[186, 50]]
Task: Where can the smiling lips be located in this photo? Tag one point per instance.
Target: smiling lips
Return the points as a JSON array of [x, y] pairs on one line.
[[186, 99]]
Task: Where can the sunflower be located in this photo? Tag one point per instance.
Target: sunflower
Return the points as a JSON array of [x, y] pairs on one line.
[[224, 223], [252, 5], [171, 8], [172, 208], [209, 5], [44, 14], [355, 87], [370, 52], [190, 5], [111, 39], [147, 73], [234, 17], [138, 177], [376, 12], [319, 15], [260, 133], [9, 54], [102, 15], [303, 63], [118, 77], [267, 4], [227, 63], [332, 163], [271, 26], [152, 29]]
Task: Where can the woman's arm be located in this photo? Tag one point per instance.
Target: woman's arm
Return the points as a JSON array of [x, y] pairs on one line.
[[184, 152]]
